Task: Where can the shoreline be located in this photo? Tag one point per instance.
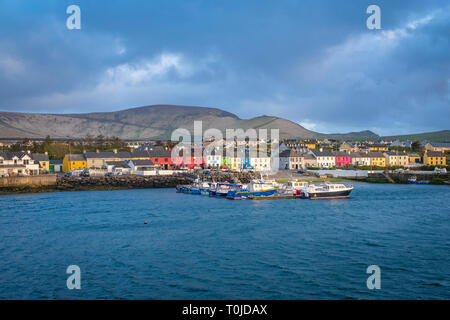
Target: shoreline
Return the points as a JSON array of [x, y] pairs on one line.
[[67, 184]]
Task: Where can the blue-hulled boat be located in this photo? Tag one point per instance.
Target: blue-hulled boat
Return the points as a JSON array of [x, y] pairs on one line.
[[222, 189], [413, 180], [256, 188]]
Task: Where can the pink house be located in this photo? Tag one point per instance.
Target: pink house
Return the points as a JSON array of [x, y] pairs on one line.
[[342, 159]]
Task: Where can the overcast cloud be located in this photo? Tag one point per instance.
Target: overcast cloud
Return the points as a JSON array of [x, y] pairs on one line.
[[313, 62]]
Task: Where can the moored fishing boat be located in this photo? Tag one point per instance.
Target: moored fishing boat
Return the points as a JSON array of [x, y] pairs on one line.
[[413, 180], [292, 187], [326, 190], [205, 187], [222, 189], [256, 188]]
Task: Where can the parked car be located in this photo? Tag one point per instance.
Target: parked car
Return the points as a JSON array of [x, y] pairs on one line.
[[84, 174]]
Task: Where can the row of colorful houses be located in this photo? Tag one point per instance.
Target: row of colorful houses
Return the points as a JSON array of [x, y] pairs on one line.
[[160, 157], [291, 159]]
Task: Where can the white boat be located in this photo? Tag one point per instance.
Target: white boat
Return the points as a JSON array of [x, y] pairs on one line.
[[326, 190], [292, 187]]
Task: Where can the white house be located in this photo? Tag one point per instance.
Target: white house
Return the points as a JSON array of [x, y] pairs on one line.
[[18, 163], [142, 167], [360, 159], [325, 159], [291, 160], [214, 159], [261, 163]]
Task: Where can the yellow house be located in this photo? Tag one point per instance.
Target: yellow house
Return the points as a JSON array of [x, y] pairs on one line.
[[396, 159], [414, 158], [349, 147], [42, 159], [378, 148], [434, 158], [74, 162], [310, 145], [377, 159], [438, 146]]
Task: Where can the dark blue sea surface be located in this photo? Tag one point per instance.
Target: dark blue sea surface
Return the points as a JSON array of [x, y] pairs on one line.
[[196, 247]]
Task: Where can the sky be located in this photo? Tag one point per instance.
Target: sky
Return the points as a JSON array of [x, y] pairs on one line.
[[313, 62]]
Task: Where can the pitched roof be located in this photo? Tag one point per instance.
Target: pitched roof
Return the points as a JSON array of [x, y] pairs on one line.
[[359, 155], [309, 156], [11, 155], [107, 154], [391, 153], [324, 153], [341, 154], [75, 157], [434, 154], [39, 157], [289, 153], [440, 144], [118, 164], [143, 162], [375, 155]]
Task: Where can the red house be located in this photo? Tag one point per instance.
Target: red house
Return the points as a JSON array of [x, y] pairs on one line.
[[342, 159], [189, 161]]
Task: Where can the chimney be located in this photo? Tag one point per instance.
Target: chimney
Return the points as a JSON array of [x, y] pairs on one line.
[[46, 153], [115, 150], [84, 151], [321, 149], [28, 151], [97, 151]]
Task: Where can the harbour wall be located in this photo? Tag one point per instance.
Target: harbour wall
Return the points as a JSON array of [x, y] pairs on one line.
[[29, 181], [52, 183]]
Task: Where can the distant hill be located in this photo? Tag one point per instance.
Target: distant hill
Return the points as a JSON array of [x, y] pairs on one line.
[[351, 136], [158, 122], [150, 122], [437, 136]]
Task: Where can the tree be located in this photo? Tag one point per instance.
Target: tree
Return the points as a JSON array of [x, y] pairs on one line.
[[26, 141], [416, 146], [89, 139], [48, 141], [100, 140]]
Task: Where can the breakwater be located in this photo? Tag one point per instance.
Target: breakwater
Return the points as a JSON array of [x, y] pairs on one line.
[[51, 183], [28, 181], [100, 183]]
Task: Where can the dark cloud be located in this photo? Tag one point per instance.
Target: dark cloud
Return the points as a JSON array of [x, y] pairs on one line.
[[312, 62]]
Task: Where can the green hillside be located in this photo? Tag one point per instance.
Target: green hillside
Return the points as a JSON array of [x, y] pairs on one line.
[[438, 136]]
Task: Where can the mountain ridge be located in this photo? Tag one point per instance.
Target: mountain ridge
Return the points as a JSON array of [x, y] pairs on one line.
[[150, 123]]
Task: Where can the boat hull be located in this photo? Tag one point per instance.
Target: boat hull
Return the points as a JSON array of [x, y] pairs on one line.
[[326, 195], [242, 194], [221, 194], [418, 182]]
